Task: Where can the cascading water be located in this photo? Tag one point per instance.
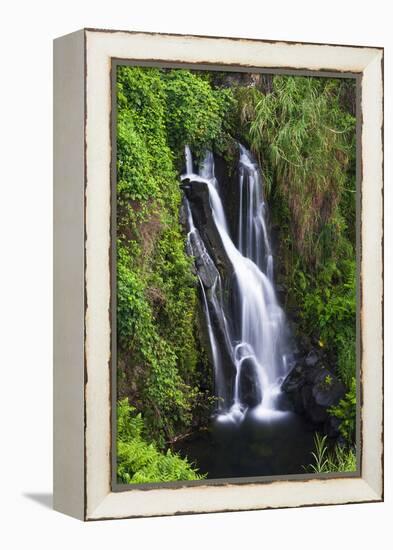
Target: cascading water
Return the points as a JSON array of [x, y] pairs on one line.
[[245, 318], [254, 242]]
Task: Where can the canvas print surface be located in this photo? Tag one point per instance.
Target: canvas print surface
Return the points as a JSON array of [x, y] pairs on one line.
[[235, 275]]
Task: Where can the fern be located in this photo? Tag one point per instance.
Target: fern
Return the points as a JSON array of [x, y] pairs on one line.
[[141, 462]]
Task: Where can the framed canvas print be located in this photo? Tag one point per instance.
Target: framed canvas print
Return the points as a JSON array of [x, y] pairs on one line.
[[218, 274]]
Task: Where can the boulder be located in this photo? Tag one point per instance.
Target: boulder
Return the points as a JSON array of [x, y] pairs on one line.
[[327, 389], [249, 391], [313, 388], [295, 379], [312, 358]]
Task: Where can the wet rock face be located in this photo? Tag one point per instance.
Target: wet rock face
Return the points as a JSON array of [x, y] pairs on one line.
[[227, 174], [313, 388], [198, 195], [211, 264], [204, 265], [312, 358]]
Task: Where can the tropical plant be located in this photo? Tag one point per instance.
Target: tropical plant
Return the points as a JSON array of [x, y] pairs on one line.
[[307, 138], [139, 461], [303, 133], [159, 351], [339, 459], [320, 455], [346, 412]]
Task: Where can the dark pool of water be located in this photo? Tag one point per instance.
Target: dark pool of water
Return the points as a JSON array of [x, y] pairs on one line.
[[255, 447]]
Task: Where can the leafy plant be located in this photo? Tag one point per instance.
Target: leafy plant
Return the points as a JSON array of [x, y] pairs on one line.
[[346, 412], [308, 140], [320, 455], [303, 133], [344, 459], [139, 461], [339, 459], [161, 360], [197, 114]]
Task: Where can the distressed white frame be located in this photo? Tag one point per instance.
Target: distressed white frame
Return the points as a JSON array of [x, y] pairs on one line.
[[82, 415]]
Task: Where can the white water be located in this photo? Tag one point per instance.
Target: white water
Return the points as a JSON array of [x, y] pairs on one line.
[[254, 240], [260, 337]]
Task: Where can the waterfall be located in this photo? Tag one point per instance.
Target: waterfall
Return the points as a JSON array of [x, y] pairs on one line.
[[254, 242], [247, 317]]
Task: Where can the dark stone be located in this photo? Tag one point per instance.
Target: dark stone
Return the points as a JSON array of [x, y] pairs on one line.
[[312, 389], [205, 267], [327, 390], [312, 358], [295, 380], [183, 216], [307, 401], [249, 393], [292, 386], [227, 174], [280, 288], [304, 341], [332, 426]]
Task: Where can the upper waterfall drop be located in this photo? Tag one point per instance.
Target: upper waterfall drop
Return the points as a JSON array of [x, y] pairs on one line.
[[246, 319], [254, 241]]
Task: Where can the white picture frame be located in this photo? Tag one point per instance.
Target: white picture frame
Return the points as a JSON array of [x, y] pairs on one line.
[[82, 257]]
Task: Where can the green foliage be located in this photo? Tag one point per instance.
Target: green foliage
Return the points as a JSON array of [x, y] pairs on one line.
[[304, 138], [144, 162], [307, 138], [346, 412], [327, 311], [340, 459], [168, 398], [139, 461], [346, 359], [303, 134], [160, 357], [197, 114], [320, 455], [344, 459]]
